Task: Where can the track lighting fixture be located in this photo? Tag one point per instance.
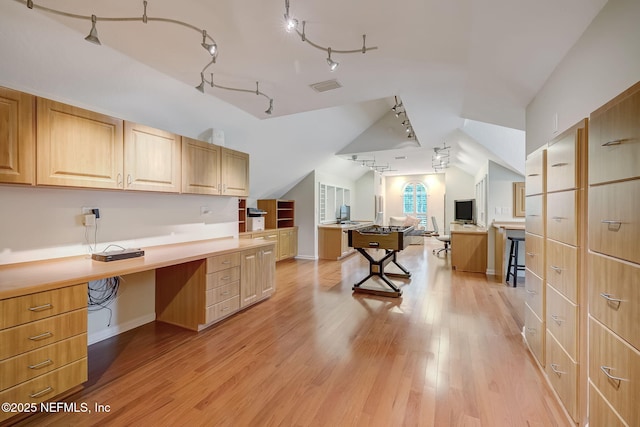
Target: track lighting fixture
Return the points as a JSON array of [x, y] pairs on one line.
[[332, 64], [292, 24], [440, 158], [257, 91], [208, 43]]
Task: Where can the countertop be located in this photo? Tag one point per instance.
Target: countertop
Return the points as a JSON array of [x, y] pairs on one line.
[[352, 224], [29, 277], [509, 225]]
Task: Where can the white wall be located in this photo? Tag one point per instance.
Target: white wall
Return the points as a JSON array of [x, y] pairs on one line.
[[363, 204], [604, 62], [459, 185], [435, 184], [305, 195]]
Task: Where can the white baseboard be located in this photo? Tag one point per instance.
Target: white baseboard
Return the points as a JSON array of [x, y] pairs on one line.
[[306, 257], [112, 331]]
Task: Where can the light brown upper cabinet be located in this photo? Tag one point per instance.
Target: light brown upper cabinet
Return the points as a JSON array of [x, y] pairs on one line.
[[151, 159], [235, 173], [200, 167], [78, 148], [17, 137]]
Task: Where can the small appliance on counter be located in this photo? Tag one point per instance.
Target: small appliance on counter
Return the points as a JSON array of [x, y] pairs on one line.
[[255, 219]]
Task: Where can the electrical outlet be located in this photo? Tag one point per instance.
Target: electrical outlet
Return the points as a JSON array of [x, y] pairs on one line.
[[91, 211]]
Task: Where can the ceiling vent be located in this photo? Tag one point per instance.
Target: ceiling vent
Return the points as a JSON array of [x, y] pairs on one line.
[[326, 85]]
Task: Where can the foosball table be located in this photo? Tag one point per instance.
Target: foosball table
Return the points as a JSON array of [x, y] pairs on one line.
[[392, 240]]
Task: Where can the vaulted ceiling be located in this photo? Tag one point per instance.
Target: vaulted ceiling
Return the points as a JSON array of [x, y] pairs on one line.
[[464, 69]]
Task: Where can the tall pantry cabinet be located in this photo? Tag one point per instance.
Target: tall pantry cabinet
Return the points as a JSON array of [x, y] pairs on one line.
[[614, 262]]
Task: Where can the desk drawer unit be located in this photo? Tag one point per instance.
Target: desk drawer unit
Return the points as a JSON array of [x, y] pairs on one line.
[[534, 221], [223, 309], [223, 262], [562, 321], [562, 269], [534, 333], [223, 277], [562, 224], [222, 293], [534, 251], [563, 374]]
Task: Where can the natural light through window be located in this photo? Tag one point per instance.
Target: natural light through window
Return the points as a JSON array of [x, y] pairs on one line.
[[414, 200]]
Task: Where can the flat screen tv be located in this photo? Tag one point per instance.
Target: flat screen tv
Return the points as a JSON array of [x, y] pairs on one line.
[[464, 211], [344, 214]]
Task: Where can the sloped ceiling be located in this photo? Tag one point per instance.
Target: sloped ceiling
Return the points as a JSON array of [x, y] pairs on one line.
[[448, 61]]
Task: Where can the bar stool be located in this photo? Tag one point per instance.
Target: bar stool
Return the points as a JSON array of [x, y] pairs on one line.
[[512, 269]]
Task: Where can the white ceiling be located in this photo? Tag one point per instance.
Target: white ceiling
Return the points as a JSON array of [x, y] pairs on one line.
[[448, 61]]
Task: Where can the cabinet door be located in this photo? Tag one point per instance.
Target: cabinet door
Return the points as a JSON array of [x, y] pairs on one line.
[[151, 159], [249, 285], [267, 272], [77, 148], [200, 167], [235, 173], [17, 137], [284, 244]]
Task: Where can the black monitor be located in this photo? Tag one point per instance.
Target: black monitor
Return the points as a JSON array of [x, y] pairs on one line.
[[344, 214], [464, 211]]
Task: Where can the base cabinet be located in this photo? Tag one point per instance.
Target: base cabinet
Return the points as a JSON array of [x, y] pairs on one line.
[[257, 272]]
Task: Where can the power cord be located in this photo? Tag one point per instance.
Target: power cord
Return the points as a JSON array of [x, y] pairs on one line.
[[101, 293]]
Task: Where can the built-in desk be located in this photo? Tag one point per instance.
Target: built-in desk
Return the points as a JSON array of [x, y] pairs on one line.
[[468, 248], [333, 239], [500, 232]]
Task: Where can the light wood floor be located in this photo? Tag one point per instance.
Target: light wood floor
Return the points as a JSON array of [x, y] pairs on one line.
[[448, 353]]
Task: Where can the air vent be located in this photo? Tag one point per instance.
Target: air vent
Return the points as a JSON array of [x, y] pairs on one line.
[[326, 85]]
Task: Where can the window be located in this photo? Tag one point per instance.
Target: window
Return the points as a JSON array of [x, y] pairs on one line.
[[414, 201]]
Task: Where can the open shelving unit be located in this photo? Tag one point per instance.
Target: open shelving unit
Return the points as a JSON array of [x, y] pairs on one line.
[[280, 213], [242, 215]]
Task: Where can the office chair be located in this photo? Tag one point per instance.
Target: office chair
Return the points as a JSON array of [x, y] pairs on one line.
[[445, 238], [434, 232]]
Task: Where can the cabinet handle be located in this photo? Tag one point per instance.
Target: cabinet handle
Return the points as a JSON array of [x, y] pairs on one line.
[[556, 369], [225, 293], [119, 180], [557, 165], [616, 380], [611, 300], [41, 307], [534, 174], [614, 142], [532, 331], [225, 278], [612, 224], [41, 364], [556, 269], [531, 254], [225, 308], [533, 215], [530, 292], [41, 336], [226, 262], [558, 218], [557, 319], [41, 393], [129, 180]]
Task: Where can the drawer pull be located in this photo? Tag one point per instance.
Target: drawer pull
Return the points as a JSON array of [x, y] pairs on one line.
[[557, 165], [41, 307], [534, 174], [556, 369], [41, 336], [612, 224], [556, 268], [225, 278], [615, 380], [614, 142], [41, 393], [533, 215], [41, 364], [557, 319], [225, 293], [532, 331], [611, 300], [558, 218], [226, 262], [225, 308], [530, 292], [531, 254]]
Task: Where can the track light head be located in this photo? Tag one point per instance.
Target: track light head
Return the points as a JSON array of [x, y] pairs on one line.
[[290, 23], [200, 87], [332, 64], [93, 34], [212, 47], [270, 109]]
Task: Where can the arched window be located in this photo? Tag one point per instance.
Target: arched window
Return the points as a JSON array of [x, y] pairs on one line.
[[414, 201]]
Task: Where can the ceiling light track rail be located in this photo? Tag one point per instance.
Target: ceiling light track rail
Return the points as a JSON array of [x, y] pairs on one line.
[[292, 24], [208, 43]]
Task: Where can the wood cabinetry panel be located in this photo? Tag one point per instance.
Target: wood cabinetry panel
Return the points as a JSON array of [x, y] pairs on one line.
[[235, 173], [77, 147], [27, 308], [534, 220], [562, 269], [222, 293], [562, 161], [611, 357], [534, 292], [30, 336], [534, 253], [535, 172], [600, 412], [223, 277], [37, 362], [152, 159], [562, 219], [534, 334], [614, 296], [614, 220], [222, 262], [562, 318], [563, 374], [614, 139], [200, 167], [17, 137]]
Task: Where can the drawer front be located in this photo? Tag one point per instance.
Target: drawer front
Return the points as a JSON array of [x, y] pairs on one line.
[[223, 277], [614, 296], [534, 208], [534, 292], [37, 362], [562, 269], [614, 220], [562, 159], [535, 167], [614, 141], [562, 320], [27, 308], [534, 334], [223, 262], [534, 250], [563, 375], [37, 334], [601, 414], [223, 309], [222, 293], [611, 358], [562, 224], [47, 386]]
